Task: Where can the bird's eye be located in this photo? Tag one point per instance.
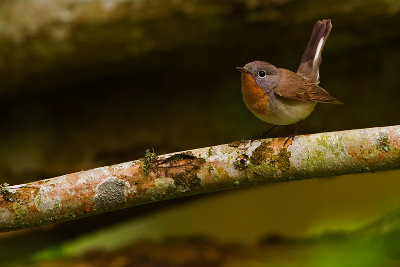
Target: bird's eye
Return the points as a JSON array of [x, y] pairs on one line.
[[261, 74]]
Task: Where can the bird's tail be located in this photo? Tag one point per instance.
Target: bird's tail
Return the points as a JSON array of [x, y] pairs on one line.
[[311, 59]]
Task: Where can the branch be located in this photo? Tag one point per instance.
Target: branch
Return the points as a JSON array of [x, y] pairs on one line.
[[198, 171]]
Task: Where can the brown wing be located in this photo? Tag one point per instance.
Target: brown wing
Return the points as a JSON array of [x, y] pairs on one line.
[[294, 86]]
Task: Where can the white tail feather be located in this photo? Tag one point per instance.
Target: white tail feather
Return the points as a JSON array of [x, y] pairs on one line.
[[319, 47]]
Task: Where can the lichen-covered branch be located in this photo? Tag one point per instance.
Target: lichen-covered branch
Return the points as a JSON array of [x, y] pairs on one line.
[[156, 178]]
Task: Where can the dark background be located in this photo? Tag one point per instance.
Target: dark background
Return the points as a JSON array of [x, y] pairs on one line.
[[89, 83]]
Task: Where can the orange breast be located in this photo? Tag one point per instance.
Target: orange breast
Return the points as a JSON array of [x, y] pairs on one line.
[[254, 97]]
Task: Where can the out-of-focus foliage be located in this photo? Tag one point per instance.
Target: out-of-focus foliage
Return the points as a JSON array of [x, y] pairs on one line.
[[214, 231]]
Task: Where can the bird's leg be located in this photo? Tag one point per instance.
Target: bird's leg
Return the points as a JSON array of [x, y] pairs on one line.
[[268, 131], [263, 135], [292, 136]]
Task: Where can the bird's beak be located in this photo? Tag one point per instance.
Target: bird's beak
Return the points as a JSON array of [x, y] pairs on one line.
[[242, 69]]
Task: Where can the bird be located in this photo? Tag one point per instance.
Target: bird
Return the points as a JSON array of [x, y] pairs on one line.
[[281, 97]]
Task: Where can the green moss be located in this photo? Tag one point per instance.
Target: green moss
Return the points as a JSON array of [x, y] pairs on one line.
[[321, 141], [322, 149], [241, 162], [264, 162], [261, 153], [383, 142], [18, 212], [5, 193], [187, 180], [282, 160], [162, 188], [148, 160]]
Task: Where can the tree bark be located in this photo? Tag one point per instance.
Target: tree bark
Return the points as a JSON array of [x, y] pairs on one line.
[[197, 171]]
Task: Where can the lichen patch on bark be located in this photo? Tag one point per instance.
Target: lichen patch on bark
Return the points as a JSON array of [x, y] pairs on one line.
[[318, 154], [46, 203], [5, 216], [110, 194]]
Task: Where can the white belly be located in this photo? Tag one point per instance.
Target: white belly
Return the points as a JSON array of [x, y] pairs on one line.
[[287, 111]]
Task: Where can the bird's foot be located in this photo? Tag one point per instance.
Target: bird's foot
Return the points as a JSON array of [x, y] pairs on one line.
[[293, 135]]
